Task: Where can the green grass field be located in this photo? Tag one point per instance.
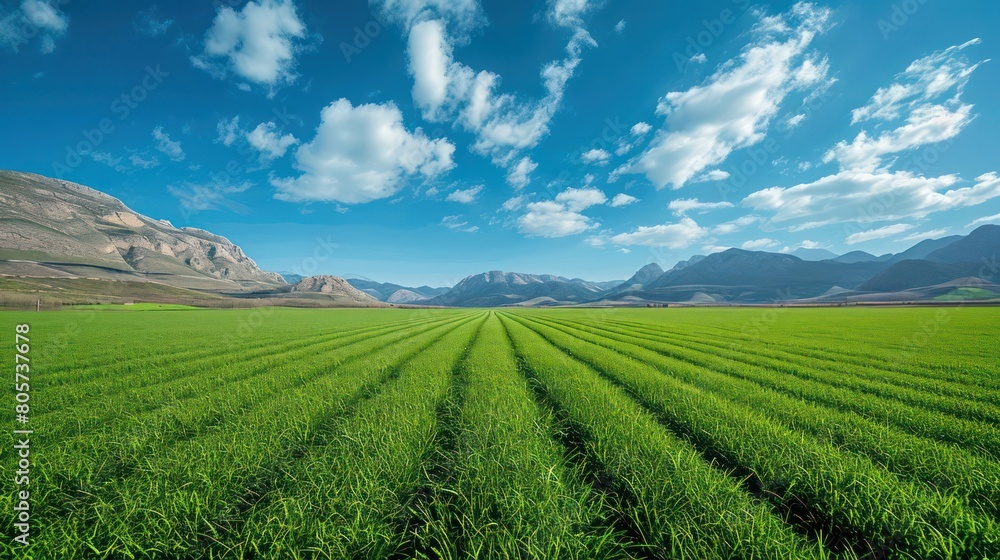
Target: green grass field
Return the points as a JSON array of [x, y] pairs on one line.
[[388, 433]]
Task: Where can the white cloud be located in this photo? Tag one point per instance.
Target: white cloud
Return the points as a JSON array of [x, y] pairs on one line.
[[640, 129], [682, 206], [736, 105], [552, 219], [515, 203], [620, 26], [519, 176], [880, 233], [994, 219], [867, 189], [266, 140], [866, 197], [229, 131], [699, 58], [712, 249], [928, 124], [258, 44], [933, 234], [361, 154], [711, 175], [171, 148], [35, 18], [446, 90], [462, 15], [212, 196], [794, 120], [672, 236], [456, 223], [560, 217], [735, 225], [581, 199], [914, 101], [622, 199], [143, 162], [149, 22], [466, 196], [759, 244], [596, 156], [925, 80]]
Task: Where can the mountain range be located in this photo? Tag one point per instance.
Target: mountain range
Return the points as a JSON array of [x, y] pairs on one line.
[[60, 239]]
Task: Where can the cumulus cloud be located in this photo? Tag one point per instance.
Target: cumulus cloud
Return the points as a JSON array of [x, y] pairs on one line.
[[465, 196], [34, 18], [551, 219], [271, 144], [864, 197], [581, 199], [622, 199], [361, 154], [171, 148], [678, 235], [257, 44], [519, 175], [682, 206], [596, 156], [562, 216], [880, 233], [735, 106]]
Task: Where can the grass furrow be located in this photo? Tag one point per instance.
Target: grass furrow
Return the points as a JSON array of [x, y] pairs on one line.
[[343, 499], [683, 507], [822, 485], [978, 437], [939, 466], [505, 488], [170, 501]]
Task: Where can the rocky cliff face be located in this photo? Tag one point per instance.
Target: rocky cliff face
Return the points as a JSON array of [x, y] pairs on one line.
[[53, 221]]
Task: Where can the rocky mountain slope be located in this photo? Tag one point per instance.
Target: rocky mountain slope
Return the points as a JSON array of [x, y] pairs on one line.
[[332, 286], [56, 228]]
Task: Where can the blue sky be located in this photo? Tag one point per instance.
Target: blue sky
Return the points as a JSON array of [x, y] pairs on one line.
[[421, 141]]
